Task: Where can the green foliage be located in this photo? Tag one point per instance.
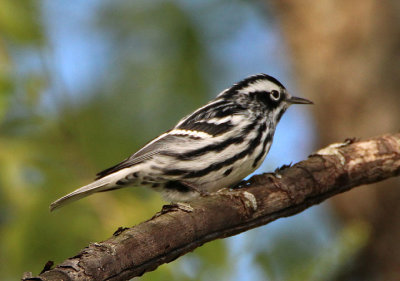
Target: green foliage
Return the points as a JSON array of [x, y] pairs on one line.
[[45, 155], [18, 21]]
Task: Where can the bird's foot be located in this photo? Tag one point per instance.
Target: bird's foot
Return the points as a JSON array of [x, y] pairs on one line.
[[173, 207], [274, 179], [184, 207]]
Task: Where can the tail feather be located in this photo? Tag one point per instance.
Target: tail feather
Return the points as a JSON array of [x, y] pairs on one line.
[[96, 186]]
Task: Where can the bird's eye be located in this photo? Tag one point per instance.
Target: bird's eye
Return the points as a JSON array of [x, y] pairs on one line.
[[275, 95]]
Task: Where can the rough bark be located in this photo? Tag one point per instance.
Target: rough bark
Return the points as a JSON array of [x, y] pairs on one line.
[[346, 59], [176, 231]]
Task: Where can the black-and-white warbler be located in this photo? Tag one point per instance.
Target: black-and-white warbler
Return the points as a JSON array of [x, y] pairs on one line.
[[213, 148]]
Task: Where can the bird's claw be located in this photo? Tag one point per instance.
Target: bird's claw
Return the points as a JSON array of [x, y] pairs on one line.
[[175, 207]]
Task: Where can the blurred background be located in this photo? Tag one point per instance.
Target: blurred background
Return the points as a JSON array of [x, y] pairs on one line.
[[83, 84]]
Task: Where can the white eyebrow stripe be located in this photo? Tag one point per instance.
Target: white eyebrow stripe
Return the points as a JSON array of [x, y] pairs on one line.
[[260, 85]]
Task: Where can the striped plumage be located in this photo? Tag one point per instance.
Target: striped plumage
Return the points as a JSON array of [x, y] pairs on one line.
[[214, 147]]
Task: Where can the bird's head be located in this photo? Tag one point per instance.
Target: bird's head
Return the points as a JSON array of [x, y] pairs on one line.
[[262, 92]]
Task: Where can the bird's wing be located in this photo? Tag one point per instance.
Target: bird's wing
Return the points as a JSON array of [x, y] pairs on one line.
[[154, 147], [206, 123]]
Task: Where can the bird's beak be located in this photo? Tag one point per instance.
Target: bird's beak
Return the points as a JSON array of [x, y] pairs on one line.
[[297, 100]]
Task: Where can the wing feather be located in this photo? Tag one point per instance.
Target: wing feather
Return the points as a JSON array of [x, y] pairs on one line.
[[208, 120], [148, 151]]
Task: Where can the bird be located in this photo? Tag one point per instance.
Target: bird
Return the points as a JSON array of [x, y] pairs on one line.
[[214, 147]]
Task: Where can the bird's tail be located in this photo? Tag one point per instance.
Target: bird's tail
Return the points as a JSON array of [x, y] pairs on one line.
[[103, 184]]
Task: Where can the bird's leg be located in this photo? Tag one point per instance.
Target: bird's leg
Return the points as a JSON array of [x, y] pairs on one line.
[[190, 186], [180, 186], [259, 179]]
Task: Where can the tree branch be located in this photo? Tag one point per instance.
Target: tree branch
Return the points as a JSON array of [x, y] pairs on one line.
[[176, 231]]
